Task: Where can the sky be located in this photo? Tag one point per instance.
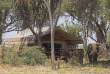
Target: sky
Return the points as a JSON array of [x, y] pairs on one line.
[[61, 20]]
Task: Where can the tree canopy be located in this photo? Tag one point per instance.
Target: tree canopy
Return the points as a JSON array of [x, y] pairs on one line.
[[92, 14]]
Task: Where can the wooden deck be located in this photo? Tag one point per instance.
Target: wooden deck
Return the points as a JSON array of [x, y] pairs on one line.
[[66, 52]]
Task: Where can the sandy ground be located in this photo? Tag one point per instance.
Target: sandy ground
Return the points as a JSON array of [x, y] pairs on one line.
[[6, 69]]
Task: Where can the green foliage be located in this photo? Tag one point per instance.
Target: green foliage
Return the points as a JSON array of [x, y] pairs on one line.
[[35, 12], [28, 56], [105, 9], [93, 13], [65, 4], [10, 56], [108, 38], [94, 9], [74, 62], [33, 55], [104, 64], [5, 4], [72, 28]]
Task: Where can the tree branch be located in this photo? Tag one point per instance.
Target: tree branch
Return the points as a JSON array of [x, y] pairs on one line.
[[58, 14], [92, 38], [47, 4], [9, 24], [100, 30], [32, 30], [11, 30], [107, 28]]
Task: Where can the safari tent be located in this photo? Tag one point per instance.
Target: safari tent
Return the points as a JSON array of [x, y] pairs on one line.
[[61, 37], [63, 40]]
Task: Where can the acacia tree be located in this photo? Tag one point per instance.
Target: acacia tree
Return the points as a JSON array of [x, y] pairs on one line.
[[51, 5], [5, 17], [38, 6], [33, 13], [93, 15]]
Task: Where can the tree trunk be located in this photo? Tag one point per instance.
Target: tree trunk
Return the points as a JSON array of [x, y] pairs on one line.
[[52, 48], [52, 38], [0, 37], [52, 41], [53, 25], [1, 27], [52, 34], [85, 36], [39, 36]]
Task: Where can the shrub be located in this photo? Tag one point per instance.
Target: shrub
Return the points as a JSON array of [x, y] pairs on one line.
[[26, 55], [74, 62], [9, 56], [33, 55]]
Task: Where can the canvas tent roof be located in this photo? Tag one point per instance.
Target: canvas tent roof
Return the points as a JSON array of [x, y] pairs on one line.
[[26, 34], [59, 34]]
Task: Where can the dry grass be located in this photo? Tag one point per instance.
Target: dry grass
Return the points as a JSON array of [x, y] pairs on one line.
[[65, 69]]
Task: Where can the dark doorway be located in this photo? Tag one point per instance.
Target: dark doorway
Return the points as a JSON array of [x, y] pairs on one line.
[[57, 49], [48, 48]]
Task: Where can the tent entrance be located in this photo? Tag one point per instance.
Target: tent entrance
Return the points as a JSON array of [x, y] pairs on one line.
[[48, 48]]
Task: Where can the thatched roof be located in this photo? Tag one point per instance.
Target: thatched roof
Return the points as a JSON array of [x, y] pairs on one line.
[[59, 34]]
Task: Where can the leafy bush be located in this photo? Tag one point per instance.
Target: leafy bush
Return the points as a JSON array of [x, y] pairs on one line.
[[25, 55], [33, 55], [9, 56], [74, 62]]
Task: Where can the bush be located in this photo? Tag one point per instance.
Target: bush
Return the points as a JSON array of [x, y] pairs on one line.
[[25, 55], [33, 55], [9, 56], [74, 62]]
